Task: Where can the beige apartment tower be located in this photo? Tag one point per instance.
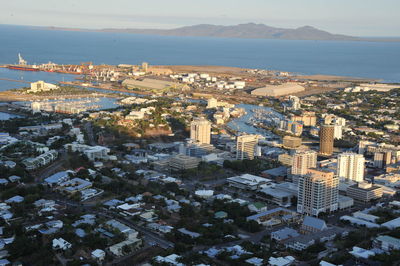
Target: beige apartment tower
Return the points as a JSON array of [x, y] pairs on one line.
[[309, 119], [326, 137], [246, 146], [302, 161], [200, 131], [318, 192]]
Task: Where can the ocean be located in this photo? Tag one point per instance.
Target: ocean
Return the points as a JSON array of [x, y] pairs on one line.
[[377, 60]]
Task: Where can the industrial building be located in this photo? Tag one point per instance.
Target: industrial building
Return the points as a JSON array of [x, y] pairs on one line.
[[278, 90], [40, 86], [364, 191], [276, 196], [183, 162], [151, 84], [249, 182]]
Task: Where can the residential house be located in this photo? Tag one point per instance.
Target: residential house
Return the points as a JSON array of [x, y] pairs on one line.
[[61, 244], [98, 255]]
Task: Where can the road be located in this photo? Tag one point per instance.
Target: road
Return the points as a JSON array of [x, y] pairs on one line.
[[252, 237], [132, 256], [148, 235]]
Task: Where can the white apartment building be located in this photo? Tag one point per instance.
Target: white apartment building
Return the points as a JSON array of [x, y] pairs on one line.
[[246, 147], [338, 132], [92, 152], [41, 160], [351, 167]]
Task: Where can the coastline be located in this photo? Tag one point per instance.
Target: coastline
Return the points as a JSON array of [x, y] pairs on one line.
[[302, 57], [229, 70]]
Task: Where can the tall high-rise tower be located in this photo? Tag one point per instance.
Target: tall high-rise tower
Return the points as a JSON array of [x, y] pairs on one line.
[[326, 137], [382, 158], [318, 192], [351, 167], [200, 131], [246, 146], [302, 161]]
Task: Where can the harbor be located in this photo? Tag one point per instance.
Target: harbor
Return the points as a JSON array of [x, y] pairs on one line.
[[71, 106], [248, 123]]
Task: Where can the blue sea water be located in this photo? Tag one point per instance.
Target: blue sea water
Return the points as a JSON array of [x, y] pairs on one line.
[[6, 116], [380, 60], [25, 77]]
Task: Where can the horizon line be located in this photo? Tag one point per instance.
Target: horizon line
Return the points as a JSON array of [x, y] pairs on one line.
[[166, 29]]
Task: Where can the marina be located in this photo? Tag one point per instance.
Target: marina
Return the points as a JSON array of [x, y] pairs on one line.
[[254, 114], [71, 106]]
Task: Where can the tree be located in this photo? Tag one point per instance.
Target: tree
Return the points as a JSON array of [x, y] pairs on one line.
[[126, 249], [23, 246], [187, 211], [252, 226]]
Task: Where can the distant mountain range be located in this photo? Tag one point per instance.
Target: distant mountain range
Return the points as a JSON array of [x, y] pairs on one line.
[[246, 31]]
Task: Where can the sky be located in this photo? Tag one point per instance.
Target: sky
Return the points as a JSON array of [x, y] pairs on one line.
[[351, 17]]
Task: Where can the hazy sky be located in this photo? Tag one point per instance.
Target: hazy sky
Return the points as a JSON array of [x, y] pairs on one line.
[[353, 17]]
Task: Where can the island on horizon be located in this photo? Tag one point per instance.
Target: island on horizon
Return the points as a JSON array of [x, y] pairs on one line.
[[243, 31]]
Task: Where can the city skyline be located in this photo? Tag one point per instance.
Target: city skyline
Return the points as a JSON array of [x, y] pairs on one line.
[[199, 133], [339, 17]]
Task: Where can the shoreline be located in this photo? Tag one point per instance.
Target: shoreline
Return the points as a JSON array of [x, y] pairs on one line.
[[233, 70], [220, 69], [109, 91]]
